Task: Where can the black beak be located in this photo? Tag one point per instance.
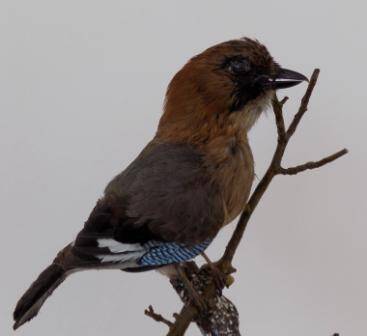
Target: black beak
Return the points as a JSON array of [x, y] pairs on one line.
[[287, 78]]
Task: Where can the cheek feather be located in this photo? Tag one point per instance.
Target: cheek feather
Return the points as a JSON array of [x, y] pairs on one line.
[[253, 109]]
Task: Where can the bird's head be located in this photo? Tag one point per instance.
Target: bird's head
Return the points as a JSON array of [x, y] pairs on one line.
[[234, 80]]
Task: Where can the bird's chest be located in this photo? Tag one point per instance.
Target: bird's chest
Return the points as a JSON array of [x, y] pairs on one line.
[[233, 171]]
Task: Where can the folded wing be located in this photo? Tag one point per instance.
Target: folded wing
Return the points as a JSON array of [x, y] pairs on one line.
[[164, 208]]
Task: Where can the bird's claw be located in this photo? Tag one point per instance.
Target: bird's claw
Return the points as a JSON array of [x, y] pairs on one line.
[[220, 278]]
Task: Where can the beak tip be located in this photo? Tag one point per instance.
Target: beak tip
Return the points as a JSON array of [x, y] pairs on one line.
[[305, 79], [288, 78]]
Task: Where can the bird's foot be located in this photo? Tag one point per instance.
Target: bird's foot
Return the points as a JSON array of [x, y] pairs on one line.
[[221, 279]]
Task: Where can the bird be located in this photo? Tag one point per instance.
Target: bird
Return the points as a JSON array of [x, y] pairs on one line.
[[191, 179]]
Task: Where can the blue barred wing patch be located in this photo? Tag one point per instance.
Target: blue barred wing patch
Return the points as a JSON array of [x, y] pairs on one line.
[[163, 253]]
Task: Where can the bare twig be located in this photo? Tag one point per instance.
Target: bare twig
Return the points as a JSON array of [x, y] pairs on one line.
[[209, 293], [279, 119], [313, 164], [183, 320], [304, 103], [284, 100], [157, 317], [275, 167]]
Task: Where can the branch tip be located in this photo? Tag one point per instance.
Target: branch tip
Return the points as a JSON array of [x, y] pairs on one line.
[[283, 101], [157, 317], [313, 164]]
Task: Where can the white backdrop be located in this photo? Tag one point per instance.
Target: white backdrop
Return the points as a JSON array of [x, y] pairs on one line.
[[81, 89]]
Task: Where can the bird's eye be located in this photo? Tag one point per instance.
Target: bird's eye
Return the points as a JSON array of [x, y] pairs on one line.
[[238, 64]]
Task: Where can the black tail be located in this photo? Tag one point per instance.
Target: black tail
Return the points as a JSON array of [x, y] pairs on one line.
[[32, 300]]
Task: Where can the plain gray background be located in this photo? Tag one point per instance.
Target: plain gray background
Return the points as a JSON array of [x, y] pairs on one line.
[[81, 89]]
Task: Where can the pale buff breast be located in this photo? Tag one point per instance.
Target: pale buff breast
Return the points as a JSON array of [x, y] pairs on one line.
[[233, 170]]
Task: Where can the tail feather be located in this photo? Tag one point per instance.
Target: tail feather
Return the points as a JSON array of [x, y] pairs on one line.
[[32, 300]]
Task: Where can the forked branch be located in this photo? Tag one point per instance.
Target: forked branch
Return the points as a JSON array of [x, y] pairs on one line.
[[157, 317], [208, 290], [275, 168]]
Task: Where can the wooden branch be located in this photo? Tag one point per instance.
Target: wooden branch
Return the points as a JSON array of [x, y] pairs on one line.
[[304, 103], [183, 320], [274, 168], [279, 119], [313, 164], [157, 317], [220, 317], [208, 291]]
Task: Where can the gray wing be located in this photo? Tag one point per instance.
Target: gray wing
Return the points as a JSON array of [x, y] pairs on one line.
[[163, 208], [166, 193]]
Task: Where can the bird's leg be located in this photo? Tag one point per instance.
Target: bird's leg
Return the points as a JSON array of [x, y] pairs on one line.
[[195, 296], [220, 278]]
